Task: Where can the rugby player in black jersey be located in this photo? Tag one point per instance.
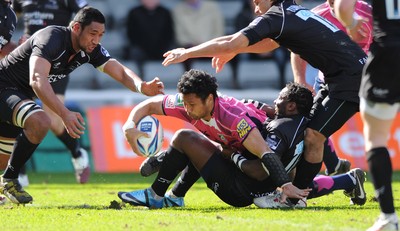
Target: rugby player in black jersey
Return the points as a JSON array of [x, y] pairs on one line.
[[379, 98], [28, 72], [321, 44], [8, 22], [37, 15]]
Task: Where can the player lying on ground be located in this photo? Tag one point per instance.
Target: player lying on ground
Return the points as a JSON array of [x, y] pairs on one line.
[[230, 125]]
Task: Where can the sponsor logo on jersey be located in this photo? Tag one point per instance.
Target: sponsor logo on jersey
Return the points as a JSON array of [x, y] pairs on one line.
[[178, 100], [56, 65], [243, 128], [3, 41], [380, 92], [55, 78], [255, 21], [273, 141], [294, 8], [222, 137], [299, 148], [104, 52], [169, 102]]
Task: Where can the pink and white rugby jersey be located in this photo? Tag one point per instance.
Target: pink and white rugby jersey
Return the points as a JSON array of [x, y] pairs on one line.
[[362, 8], [230, 124]]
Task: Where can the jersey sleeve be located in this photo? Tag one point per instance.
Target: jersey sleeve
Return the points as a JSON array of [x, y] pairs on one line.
[[262, 27], [99, 56], [173, 106]]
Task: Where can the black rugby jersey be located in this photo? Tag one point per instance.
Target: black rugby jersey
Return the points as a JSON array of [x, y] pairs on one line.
[[386, 15], [316, 40], [54, 44], [8, 22], [285, 136], [38, 14]]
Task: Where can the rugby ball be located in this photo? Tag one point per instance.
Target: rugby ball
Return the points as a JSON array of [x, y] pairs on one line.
[[152, 145]]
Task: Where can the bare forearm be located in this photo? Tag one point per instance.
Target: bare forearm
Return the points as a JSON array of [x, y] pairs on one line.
[[344, 10], [46, 94], [298, 68], [214, 47], [265, 45]]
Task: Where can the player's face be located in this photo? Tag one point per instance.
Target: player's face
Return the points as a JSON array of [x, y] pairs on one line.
[[281, 103], [261, 6], [196, 108], [90, 36]]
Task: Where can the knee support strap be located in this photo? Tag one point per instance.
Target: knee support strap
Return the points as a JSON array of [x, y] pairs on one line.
[[6, 145], [25, 110]]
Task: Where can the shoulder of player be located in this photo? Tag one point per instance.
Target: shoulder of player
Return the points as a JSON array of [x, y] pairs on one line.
[[284, 123], [11, 13], [53, 34]]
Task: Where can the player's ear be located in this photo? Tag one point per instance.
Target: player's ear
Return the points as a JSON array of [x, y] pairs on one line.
[[210, 98], [76, 26], [291, 107]]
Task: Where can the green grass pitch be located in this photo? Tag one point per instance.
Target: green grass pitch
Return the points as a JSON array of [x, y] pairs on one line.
[[61, 204]]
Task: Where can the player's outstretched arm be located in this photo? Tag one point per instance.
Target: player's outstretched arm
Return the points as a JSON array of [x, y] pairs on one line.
[[215, 47], [129, 79]]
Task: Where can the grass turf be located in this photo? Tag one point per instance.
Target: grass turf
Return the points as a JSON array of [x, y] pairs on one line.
[[61, 204]]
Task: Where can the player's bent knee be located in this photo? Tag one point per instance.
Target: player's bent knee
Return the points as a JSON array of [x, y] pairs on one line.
[[24, 111], [314, 145], [38, 121], [31, 117], [312, 137], [185, 137]]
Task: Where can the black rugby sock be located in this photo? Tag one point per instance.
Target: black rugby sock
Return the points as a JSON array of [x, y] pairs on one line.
[[174, 162], [380, 167], [23, 150], [305, 173], [72, 144], [188, 177]]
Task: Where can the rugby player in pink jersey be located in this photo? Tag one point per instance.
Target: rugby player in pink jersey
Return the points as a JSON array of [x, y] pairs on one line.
[[229, 125]]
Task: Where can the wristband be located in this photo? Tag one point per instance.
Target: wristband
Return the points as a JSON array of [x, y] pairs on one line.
[[128, 125], [138, 86]]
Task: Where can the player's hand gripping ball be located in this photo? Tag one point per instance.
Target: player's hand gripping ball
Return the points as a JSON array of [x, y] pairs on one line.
[[152, 145]]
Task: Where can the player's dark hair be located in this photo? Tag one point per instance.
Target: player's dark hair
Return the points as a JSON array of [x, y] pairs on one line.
[[87, 15], [301, 95], [198, 82], [4, 3]]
